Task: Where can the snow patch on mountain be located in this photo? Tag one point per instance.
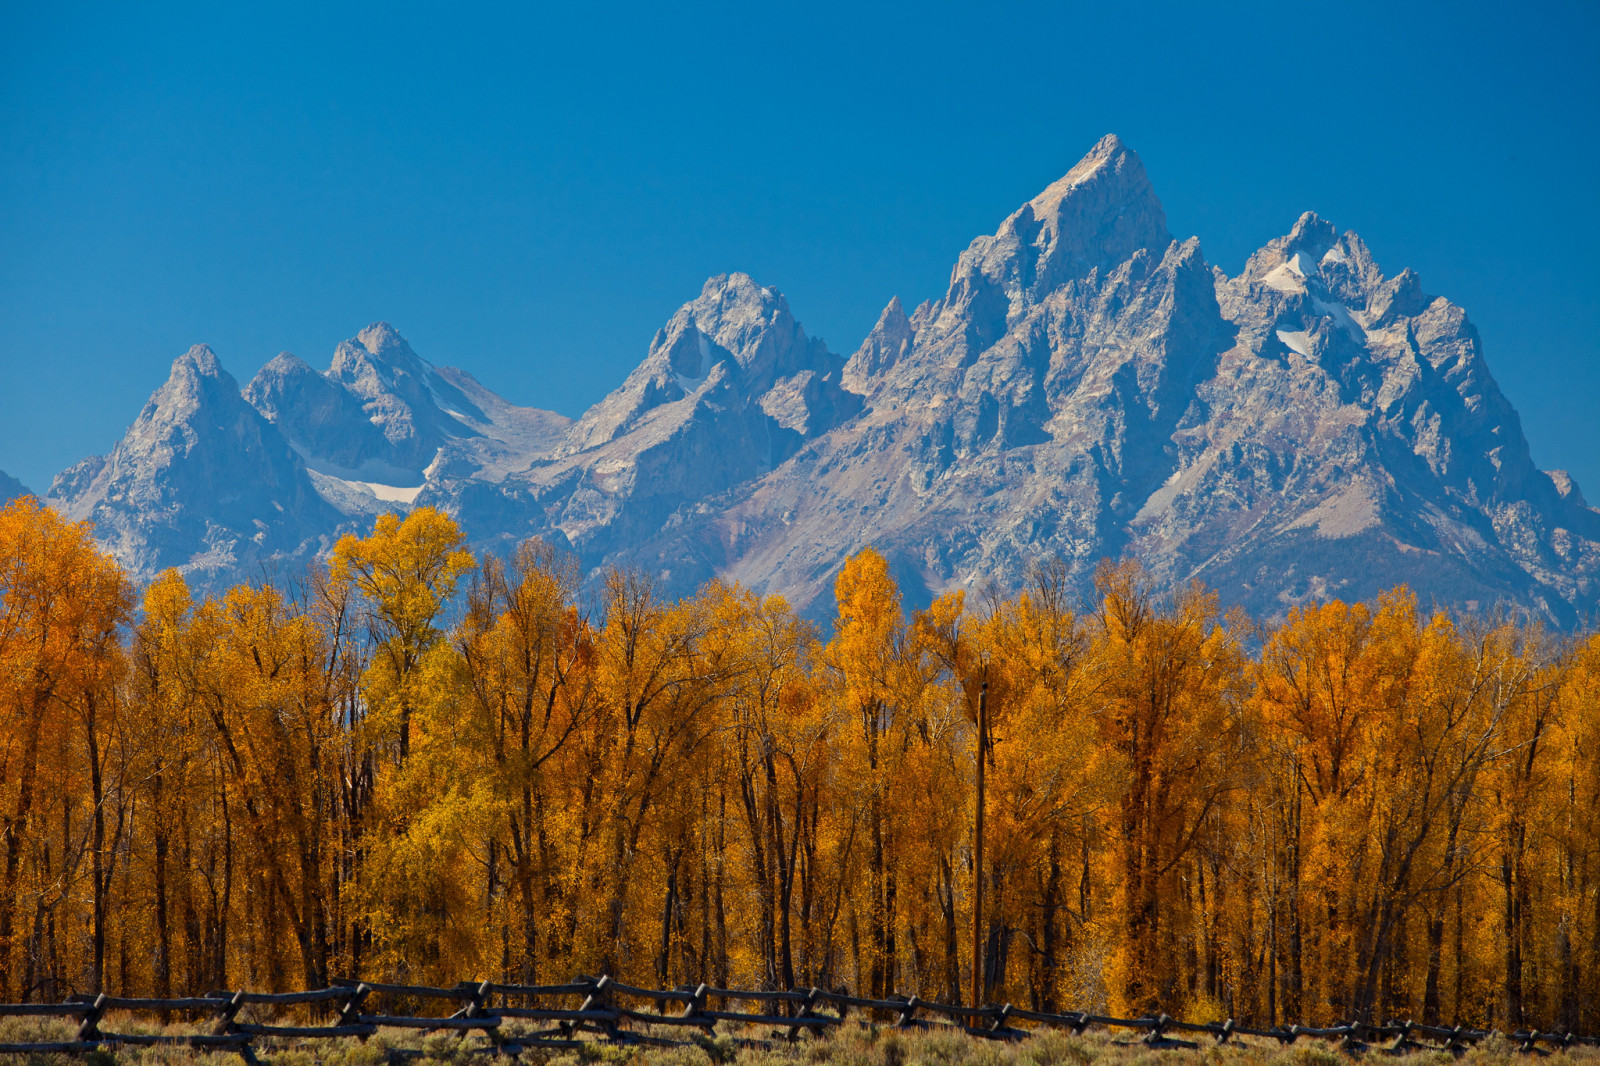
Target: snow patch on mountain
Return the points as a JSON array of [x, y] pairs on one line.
[[1086, 387]]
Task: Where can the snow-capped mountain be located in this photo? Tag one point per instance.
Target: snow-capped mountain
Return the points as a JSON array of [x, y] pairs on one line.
[[382, 425], [1087, 387], [731, 387], [201, 482]]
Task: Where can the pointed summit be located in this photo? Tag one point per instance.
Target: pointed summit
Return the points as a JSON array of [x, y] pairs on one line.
[[1101, 215], [890, 339], [384, 343], [201, 360], [737, 338], [200, 481], [1102, 211]]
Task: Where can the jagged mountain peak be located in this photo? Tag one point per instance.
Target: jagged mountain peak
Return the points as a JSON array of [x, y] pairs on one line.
[[199, 359], [286, 361], [1086, 387], [379, 360], [1099, 213], [1314, 250], [1567, 488], [1102, 214], [1111, 173], [381, 337], [196, 379], [382, 424], [891, 338], [200, 481], [740, 318], [731, 345]]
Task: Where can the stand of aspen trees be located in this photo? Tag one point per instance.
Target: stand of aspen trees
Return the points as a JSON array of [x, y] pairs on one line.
[[413, 765]]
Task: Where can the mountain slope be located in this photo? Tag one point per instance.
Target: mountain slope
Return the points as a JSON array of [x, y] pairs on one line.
[[384, 427], [201, 482], [730, 388], [1354, 439], [1088, 387], [11, 488]]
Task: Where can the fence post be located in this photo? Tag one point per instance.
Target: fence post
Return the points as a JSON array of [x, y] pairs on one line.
[[350, 1009], [1001, 1016], [905, 1014], [805, 1012], [693, 1008], [1156, 1031], [476, 1009], [595, 1000], [1225, 1032], [89, 1028], [225, 1022]]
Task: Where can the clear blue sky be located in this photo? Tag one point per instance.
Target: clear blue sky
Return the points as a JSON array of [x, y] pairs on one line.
[[529, 192]]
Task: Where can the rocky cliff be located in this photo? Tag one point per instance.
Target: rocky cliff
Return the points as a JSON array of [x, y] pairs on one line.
[[1087, 387]]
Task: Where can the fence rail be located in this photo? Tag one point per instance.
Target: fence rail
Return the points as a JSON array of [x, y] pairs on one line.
[[602, 1013]]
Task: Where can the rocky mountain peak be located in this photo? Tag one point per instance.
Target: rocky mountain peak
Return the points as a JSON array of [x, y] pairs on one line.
[[196, 381], [751, 323], [890, 339], [1087, 387], [287, 363], [385, 344], [1099, 214], [379, 361], [1566, 487], [730, 345], [1102, 214], [199, 360], [200, 481]]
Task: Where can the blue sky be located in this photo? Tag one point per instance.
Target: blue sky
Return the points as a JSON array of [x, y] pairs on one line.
[[529, 192]]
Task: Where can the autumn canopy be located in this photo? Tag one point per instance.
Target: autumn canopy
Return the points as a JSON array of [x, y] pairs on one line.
[[419, 765]]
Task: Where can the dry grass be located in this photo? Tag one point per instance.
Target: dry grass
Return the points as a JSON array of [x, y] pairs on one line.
[[849, 1045]]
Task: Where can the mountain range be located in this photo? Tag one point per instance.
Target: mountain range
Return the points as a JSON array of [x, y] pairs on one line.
[[1088, 386]]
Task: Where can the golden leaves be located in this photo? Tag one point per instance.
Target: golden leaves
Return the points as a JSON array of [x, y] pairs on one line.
[[413, 765]]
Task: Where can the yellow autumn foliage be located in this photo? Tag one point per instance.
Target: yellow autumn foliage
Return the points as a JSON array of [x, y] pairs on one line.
[[414, 764]]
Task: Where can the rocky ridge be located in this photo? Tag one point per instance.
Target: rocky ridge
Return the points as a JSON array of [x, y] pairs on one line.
[[1088, 386], [201, 482]]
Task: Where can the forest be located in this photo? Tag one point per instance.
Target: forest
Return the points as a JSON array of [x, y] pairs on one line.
[[414, 764]]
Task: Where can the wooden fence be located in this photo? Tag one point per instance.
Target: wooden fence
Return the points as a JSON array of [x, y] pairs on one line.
[[599, 1009]]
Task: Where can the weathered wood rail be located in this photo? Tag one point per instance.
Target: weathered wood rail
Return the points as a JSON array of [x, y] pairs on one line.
[[599, 1008]]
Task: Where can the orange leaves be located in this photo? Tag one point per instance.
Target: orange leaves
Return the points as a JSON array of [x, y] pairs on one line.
[[1375, 813]]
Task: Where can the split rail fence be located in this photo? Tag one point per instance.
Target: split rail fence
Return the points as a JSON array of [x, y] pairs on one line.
[[598, 1009]]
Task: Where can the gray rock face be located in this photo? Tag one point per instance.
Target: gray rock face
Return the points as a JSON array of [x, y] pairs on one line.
[[1090, 388], [1028, 413], [1353, 439], [385, 422], [216, 482], [1086, 387], [383, 429], [890, 339], [200, 482], [731, 387]]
